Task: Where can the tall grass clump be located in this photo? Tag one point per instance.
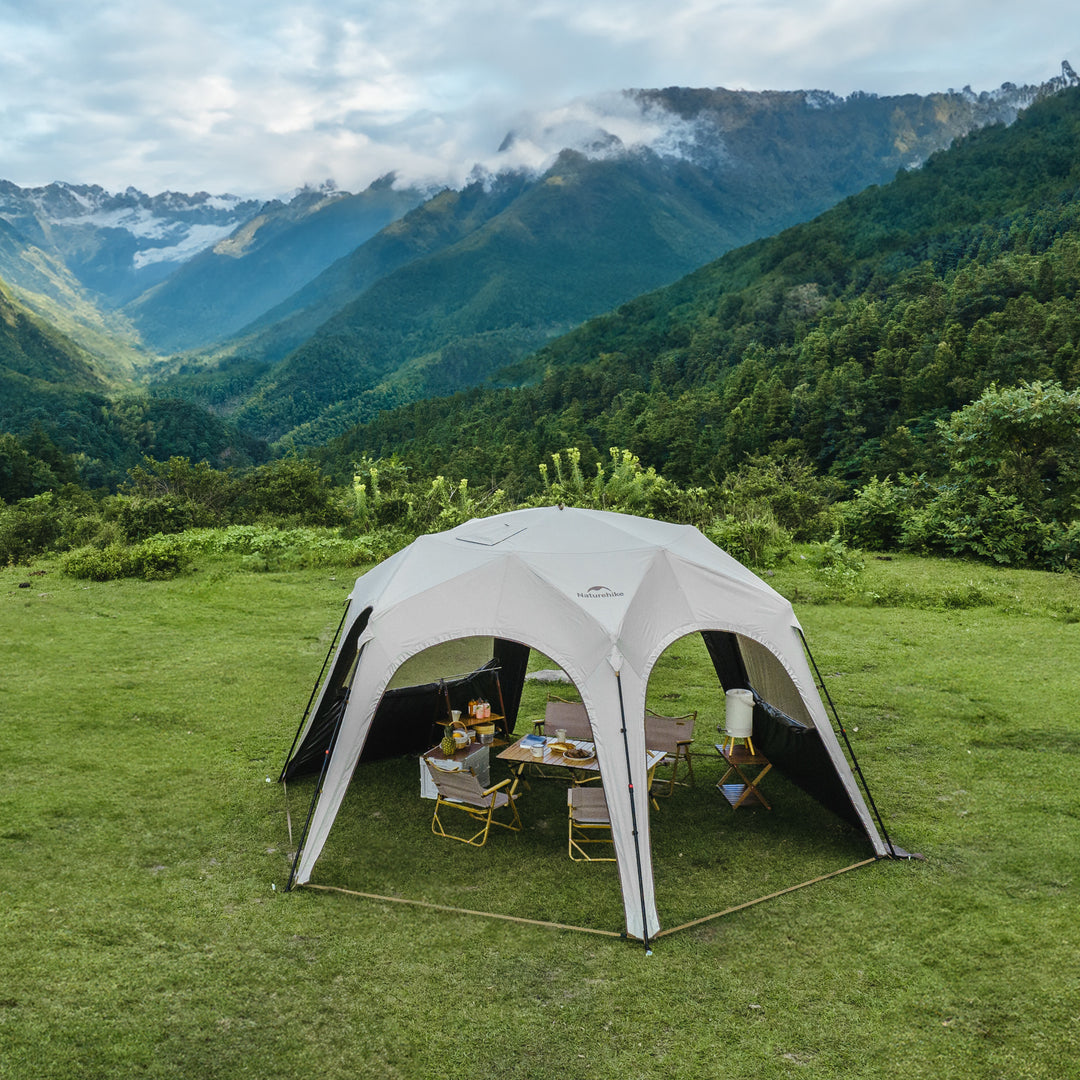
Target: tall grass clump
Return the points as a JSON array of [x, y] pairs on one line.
[[155, 559]]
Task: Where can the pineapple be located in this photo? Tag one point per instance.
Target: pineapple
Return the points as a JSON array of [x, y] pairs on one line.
[[448, 746]]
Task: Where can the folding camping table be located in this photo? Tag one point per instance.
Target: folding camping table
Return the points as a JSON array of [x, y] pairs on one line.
[[518, 755]]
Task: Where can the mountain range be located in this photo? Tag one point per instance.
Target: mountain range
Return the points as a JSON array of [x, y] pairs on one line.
[[842, 341], [297, 318]]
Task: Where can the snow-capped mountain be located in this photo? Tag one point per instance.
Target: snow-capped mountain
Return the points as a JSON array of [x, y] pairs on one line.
[[173, 270], [707, 127], [118, 244]]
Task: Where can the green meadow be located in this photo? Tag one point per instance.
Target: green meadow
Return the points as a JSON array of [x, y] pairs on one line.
[[145, 847]]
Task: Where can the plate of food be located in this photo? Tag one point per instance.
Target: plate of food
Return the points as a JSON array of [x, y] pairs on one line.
[[560, 747], [578, 755]]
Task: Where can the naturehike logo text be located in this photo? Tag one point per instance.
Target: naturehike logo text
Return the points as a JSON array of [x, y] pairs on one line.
[[599, 592]]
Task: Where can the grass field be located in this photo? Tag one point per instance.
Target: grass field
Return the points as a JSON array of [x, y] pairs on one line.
[[143, 855]]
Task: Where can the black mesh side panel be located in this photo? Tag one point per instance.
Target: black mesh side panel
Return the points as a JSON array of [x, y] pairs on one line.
[[724, 652], [406, 722], [308, 759], [513, 660], [408, 719], [797, 751], [794, 749]]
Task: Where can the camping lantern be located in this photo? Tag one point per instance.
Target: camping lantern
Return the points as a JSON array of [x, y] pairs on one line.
[[739, 716]]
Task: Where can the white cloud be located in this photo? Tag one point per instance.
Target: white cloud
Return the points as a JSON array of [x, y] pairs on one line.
[[258, 97]]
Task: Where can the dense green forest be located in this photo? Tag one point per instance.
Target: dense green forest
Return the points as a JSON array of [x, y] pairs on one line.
[[63, 419], [475, 279]]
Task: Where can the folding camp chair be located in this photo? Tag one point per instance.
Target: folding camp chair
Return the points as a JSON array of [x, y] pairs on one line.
[[588, 817], [673, 735], [461, 790], [570, 715]]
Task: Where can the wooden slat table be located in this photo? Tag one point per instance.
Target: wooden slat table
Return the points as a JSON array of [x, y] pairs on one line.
[[740, 761], [518, 756]]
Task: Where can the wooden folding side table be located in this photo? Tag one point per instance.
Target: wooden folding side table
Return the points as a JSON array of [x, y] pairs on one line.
[[750, 767]]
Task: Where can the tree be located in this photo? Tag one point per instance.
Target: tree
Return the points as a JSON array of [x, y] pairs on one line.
[[1012, 491], [1024, 441], [798, 498], [289, 489]]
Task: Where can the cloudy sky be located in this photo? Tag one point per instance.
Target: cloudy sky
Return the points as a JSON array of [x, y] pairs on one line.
[[257, 97]]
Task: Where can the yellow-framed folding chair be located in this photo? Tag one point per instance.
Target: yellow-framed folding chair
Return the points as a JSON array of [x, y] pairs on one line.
[[588, 817], [674, 735], [461, 790]]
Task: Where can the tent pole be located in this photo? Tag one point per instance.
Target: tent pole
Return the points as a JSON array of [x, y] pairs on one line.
[[633, 817], [847, 743], [314, 691]]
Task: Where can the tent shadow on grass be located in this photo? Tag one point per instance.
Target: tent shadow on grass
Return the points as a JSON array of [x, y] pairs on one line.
[[707, 857]]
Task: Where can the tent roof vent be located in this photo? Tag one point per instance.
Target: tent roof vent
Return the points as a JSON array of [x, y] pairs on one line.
[[489, 533]]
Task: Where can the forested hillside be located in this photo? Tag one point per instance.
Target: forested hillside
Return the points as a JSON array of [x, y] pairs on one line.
[[470, 281], [477, 278], [34, 354], [844, 339], [902, 372], [57, 407]]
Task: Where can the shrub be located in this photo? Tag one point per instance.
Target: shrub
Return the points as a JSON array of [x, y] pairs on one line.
[[261, 547], [1024, 441], [158, 558], [31, 526], [875, 517], [290, 490], [155, 559], [623, 486], [800, 499], [962, 520], [754, 537], [836, 565], [96, 564], [140, 516], [208, 492]]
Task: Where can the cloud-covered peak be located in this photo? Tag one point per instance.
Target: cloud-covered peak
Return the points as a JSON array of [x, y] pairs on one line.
[[601, 126]]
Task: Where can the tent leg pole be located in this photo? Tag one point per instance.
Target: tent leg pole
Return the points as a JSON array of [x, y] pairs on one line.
[[633, 818]]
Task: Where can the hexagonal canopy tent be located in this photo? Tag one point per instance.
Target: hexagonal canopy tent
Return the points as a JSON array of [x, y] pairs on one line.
[[602, 595]]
